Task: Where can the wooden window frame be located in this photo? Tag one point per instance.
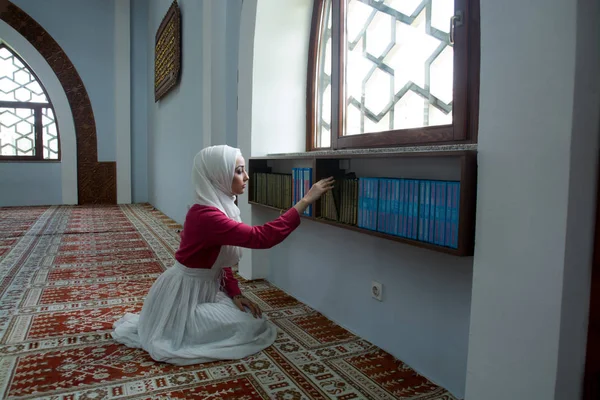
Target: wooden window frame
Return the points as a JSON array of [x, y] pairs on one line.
[[465, 111], [38, 125]]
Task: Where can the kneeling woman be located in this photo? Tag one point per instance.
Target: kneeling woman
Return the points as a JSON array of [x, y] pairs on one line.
[[194, 312]]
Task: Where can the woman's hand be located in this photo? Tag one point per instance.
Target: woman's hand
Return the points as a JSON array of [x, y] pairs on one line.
[[314, 193], [317, 190], [240, 301]]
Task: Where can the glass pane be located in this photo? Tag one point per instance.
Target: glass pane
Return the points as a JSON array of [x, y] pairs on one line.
[[399, 65], [323, 84], [17, 132], [49, 134], [17, 83]]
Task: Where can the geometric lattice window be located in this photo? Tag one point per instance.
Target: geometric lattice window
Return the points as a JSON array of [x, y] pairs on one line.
[[393, 72], [28, 128]]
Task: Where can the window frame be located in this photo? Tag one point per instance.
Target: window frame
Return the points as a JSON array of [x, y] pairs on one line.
[[465, 98], [37, 107]]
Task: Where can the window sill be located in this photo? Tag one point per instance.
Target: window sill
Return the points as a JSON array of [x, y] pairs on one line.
[[3, 160], [384, 150]]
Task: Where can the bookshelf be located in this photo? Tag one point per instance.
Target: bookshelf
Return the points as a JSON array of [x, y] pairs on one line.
[[443, 166]]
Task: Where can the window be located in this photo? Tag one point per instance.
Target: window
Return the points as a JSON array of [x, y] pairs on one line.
[[392, 72], [28, 129]]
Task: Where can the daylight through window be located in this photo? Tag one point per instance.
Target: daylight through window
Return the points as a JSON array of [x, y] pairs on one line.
[[391, 72], [28, 129]]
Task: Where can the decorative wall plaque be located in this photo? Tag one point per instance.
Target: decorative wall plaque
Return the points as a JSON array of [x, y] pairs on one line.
[[167, 52]]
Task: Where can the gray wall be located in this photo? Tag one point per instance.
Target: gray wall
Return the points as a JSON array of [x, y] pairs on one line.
[[179, 125], [174, 124], [139, 100], [86, 34], [30, 184], [424, 316], [538, 154], [85, 31]]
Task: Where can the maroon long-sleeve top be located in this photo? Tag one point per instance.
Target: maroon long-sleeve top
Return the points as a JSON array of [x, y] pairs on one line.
[[206, 229]]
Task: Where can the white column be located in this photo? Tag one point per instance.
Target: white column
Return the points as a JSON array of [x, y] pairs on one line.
[[538, 153], [206, 72], [218, 72], [123, 99], [244, 113]]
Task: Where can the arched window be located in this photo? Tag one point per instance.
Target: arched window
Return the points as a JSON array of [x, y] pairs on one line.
[[392, 72], [28, 129]]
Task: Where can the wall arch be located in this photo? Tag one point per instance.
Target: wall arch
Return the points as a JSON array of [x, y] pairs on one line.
[[95, 181], [61, 105]]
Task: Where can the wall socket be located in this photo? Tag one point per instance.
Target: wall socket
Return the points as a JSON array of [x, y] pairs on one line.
[[377, 290]]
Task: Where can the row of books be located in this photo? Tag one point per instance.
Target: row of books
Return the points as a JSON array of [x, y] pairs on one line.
[[418, 209], [423, 210], [302, 181], [341, 204], [282, 190], [273, 190]]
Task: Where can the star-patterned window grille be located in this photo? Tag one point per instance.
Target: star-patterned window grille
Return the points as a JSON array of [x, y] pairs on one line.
[[28, 128], [392, 72]]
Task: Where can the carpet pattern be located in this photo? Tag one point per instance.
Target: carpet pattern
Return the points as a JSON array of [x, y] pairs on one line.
[[67, 273]]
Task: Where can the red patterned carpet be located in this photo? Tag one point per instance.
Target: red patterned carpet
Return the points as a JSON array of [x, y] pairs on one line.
[[66, 273]]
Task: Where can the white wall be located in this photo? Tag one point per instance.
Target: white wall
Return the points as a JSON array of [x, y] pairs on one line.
[[232, 37], [41, 183], [122, 98], [538, 150], [95, 35], [30, 184], [195, 113], [139, 100], [244, 114], [86, 32], [174, 134], [424, 318], [272, 91], [279, 76]]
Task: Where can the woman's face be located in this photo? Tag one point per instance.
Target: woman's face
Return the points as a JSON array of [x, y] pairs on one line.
[[240, 176]]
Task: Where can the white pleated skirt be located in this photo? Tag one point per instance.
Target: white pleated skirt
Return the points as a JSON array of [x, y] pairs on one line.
[[186, 320]]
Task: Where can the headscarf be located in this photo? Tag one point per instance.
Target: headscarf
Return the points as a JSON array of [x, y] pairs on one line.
[[212, 177]]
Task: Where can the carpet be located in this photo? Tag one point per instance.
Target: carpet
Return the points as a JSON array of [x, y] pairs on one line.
[[67, 273]]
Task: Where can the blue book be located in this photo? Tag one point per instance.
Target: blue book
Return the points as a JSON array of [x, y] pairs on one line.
[[426, 205], [408, 207], [374, 202], [370, 205], [455, 214], [415, 205], [306, 183], [440, 213], [432, 208], [388, 205], [421, 231], [403, 208], [394, 207], [294, 186], [361, 203], [382, 206], [369, 201], [448, 226], [411, 209]]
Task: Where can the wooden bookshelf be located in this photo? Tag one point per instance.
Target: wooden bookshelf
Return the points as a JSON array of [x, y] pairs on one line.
[[456, 165]]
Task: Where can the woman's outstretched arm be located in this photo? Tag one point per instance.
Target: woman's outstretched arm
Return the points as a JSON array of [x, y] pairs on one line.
[[220, 230]]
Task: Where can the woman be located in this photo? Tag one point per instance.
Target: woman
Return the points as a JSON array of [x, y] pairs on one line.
[[194, 312]]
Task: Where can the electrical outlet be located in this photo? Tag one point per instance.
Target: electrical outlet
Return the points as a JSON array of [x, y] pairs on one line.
[[377, 290]]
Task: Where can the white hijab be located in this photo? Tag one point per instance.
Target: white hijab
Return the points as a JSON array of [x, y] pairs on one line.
[[212, 177]]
